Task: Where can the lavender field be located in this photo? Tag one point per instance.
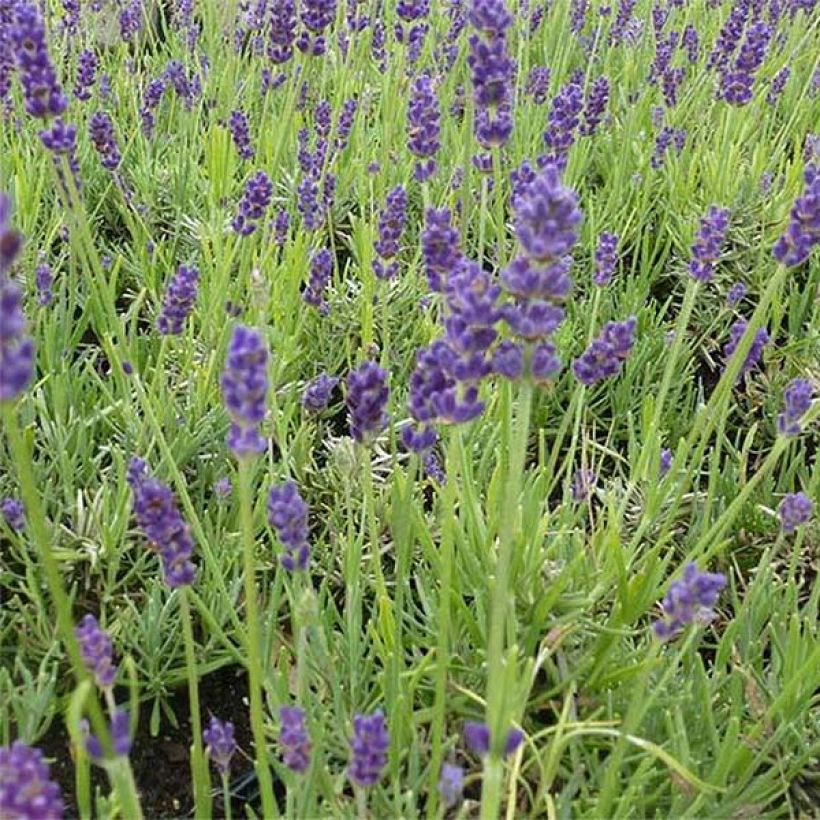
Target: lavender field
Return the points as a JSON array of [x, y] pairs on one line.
[[409, 409]]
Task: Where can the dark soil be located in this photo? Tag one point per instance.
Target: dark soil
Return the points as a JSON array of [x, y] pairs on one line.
[[161, 764]]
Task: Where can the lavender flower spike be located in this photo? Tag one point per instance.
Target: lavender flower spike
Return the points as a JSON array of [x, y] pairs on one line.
[[179, 301], [244, 389], [368, 749], [797, 401], [606, 258], [220, 743], [606, 354], [803, 231], [97, 651], [162, 524], [755, 352], [367, 394], [795, 510], [287, 514], [706, 249], [26, 787], [10, 240], [294, 739], [316, 396], [14, 513], [16, 346], [689, 600]]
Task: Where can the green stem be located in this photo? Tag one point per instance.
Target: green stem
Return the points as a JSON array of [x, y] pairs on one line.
[[445, 568], [497, 714], [199, 766], [226, 795], [255, 686]]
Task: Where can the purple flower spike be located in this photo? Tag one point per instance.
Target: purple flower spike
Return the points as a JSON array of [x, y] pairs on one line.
[[16, 346], [241, 134], [220, 743], [26, 788], [14, 513], [706, 248], [391, 226], [665, 461], [10, 240], [368, 749], [607, 353], [43, 94], [735, 295], [477, 738], [423, 127], [179, 301], [254, 203], [367, 395], [316, 396], [244, 390], [44, 279], [120, 737], [321, 268], [162, 524], [87, 65], [451, 784], [97, 651], [606, 258], [689, 600], [104, 140], [797, 401], [803, 231], [440, 247], [795, 510], [755, 351], [583, 483], [288, 515], [294, 739]]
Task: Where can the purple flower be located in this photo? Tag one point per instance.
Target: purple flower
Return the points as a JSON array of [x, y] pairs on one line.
[[287, 514], [281, 31], [803, 231], [244, 384], [391, 225], [537, 84], [120, 736], [10, 240], [689, 600], [606, 354], [44, 279], [241, 133], [281, 226], [307, 203], [220, 743], [60, 139], [43, 94], [162, 524], [795, 510], [367, 395], [508, 360], [706, 248], [97, 651], [797, 399], [595, 105], [254, 203], [222, 488], [777, 85], [16, 346], [440, 247], [691, 42], [368, 749], [423, 127], [735, 295], [321, 268], [433, 469], [104, 140], [294, 738], [87, 65], [451, 784], [316, 396], [14, 512], [755, 351], [477, 738], [665, 461], [345, 123], [606, 258], [26, 788], [583, 482], [179, 300], [562, 122], [150, 102], [667, 137]]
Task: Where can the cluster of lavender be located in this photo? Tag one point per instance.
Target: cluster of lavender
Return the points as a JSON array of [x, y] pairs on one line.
[[179, 300], [706, 248], [321, 268], [736, 332], [14, 513], [797, 399], [562, 123], [391, 226], [241, 134], [606, 259], [423, 127], [16, 346], [491, 69], [737, 80], [162, 524], [689, 600], [244, 385], [606, 354], [366, 400], [288, 515], [253, 205], [220, 743], [803, 232], [104, 140], [26, 787]]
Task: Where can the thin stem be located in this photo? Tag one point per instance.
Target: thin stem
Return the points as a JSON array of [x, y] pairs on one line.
[[199, 770], [445, 568], [255, 686], [226, 795], [497, 714]]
